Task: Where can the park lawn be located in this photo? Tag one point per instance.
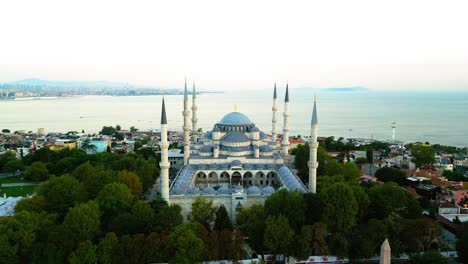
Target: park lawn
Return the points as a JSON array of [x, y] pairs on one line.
[[17, 191], [13, 179]]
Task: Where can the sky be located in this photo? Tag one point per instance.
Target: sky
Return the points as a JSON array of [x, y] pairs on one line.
[[388, 45]]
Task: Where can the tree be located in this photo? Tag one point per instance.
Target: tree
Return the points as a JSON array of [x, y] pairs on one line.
[[168, 217], [351, 172], [156, 250], [85, 254], [454, 176], [19, 233], [420, 234], [107, 248], [83, 221], [143, 216], [368, 238], [361, 160], [462, 244], [187, 246], [133, 129], [422, 155], [36, 203], [62, 193], [13, 166], [118, 128], [288, 204], [222, 219], [278, 235], [5, 158], [387, 174], [252, 222], [114, 198], [430, 257], [131, 180], [119, 136], [313, 208], [203, 211], [370, 155], [5, 130], [387, 199], [37, 172], [340, 207], [108, 130], [93, 178]]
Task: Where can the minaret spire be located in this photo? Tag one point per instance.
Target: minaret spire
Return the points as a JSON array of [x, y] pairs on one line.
[[164, 164], [194, 115], [286, 125], [275, 117], [186, 127], [313, 146]]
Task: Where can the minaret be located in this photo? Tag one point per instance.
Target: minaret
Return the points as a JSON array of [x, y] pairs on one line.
[[275, 118], [313, 145], [186, 127], [286, 124], [164, 164], [194, 115], [393, 131]]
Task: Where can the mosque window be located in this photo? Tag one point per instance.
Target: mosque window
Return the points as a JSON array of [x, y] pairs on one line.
[[261, 182]]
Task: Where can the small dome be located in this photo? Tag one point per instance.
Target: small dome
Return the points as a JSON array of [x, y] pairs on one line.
[[235, 163], [193, 191], [265, 148], [254, 129], [209, 190], [206, 149], [224, 190], [216, 129], [238, 188], [235, 138], [235, 118], [248, 166], [253, 190], [268, 190]]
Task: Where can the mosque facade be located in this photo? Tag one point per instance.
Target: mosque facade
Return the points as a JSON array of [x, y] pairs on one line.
[[234, 164]]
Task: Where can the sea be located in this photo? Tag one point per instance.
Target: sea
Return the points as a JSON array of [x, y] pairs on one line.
[[426, 116]]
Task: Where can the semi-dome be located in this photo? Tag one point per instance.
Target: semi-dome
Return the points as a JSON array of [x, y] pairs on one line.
[[235, 118], [235, 138]]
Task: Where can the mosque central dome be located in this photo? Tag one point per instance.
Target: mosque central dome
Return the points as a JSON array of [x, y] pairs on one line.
[[235, 118]]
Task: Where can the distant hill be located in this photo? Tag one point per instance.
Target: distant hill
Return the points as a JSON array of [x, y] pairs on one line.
[[40, 82]]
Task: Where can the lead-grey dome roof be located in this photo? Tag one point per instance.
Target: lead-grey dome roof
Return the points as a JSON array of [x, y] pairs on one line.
[[253, 190], [206, 149], [209, 190], [235, 163], [265, 148], [268, 190], [235, 118], [235, 138], [224, 190]]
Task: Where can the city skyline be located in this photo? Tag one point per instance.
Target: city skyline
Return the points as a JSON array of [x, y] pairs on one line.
[[388, 46]]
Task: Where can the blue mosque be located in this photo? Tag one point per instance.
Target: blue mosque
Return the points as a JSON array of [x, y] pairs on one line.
[[235, 164]]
